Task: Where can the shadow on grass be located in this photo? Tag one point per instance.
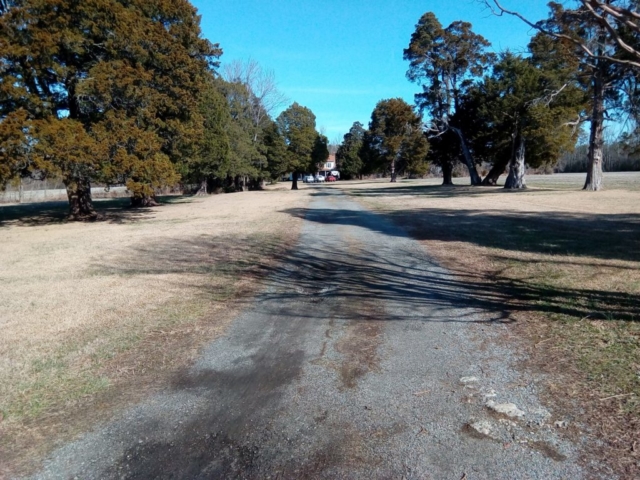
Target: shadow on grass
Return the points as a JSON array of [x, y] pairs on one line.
[[433, 191], [116, 210], [357, 277], [612, 237]]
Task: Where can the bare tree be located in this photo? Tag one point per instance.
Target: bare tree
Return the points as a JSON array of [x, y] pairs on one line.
[[262, 86], [606, 14]]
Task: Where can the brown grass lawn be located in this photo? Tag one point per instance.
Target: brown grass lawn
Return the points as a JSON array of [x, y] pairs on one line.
[[93, 316], [563, 266]]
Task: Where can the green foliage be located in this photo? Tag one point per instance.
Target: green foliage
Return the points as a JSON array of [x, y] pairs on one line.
[[274, 149], [349, 155], [212, 158], [123, 77], [444, 62], [297, 125], [529, 97], [395, 140], [320, 152]]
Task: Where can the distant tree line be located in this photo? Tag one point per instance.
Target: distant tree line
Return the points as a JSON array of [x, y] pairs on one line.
[[510, 111], [129, 93]]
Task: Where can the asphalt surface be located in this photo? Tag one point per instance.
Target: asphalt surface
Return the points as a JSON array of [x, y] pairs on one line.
[[354, 362]]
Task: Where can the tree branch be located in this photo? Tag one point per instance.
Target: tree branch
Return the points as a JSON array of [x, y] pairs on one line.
[[499, 10]]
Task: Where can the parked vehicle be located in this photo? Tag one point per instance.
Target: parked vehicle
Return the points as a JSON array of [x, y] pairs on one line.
[[308, 179], [331, 178], [336, 174], [319, 178]]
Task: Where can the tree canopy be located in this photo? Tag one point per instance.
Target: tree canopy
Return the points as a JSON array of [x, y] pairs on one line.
[[395, 141], [349, 154], [297, 124], [444, 62], [101, 91]]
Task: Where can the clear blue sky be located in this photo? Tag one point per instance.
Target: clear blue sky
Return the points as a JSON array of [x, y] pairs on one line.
[[340, 57]]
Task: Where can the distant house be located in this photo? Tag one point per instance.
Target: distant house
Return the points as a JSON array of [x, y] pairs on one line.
[[329, 165]]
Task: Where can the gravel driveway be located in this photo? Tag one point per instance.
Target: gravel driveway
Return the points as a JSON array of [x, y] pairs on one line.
[[360, 359]]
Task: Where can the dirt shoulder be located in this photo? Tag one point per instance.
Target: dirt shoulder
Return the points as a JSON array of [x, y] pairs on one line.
[[96, 316], [563, 267]]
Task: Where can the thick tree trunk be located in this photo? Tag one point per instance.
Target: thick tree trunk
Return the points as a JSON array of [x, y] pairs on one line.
[[217, 185], [393, 171], [468, 159], [203, 190], [143, 201], [491, 180], [237, 183], [294, 183], [447, 173], [517, 168], [80, 202], [596, 137]]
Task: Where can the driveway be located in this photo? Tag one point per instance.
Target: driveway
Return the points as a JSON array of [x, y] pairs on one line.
[[361, 358]]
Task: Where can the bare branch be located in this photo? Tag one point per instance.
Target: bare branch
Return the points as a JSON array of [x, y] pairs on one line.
[[548, 99], [497, 9], [262, 87]]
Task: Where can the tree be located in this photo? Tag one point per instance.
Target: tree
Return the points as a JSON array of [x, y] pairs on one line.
[[274, 148], [604, 36], [297, 124], [264, 96], [395, 139], [444, 61], [521, 108], [618, 19], [246, 159], [123, 77], [320, 151], [349, 153], [211, 163]]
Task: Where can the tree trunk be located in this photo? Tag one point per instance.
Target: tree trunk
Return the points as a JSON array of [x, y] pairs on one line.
[[294, 183], [596, 137], [468, 159], [203, 190], [517, 169], [393, 171], [491, 180], [447, 173], [143, 201], [80, 202]]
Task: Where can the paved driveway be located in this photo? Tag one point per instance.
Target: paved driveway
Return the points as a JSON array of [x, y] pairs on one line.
[[360, 359]]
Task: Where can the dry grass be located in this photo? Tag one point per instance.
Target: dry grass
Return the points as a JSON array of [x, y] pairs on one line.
[[94, 316], [563, 266]]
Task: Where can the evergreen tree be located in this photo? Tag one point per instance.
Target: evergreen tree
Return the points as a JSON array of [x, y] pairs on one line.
[[297, 124], [395, 141], [349, 154], [320, 152], [118, 80], [444, 61], [523, 107], [604, 37], [274, 148], [211, 163]]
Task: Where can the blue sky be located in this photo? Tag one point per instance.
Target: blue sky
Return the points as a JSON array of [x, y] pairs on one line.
[[339, 58]]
